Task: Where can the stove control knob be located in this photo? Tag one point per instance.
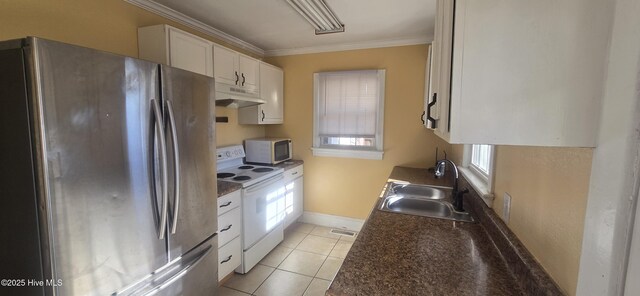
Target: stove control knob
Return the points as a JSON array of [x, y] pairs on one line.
[[228, 153]]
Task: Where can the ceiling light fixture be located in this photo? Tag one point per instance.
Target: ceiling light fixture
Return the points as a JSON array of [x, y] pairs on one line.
[[319, 15]]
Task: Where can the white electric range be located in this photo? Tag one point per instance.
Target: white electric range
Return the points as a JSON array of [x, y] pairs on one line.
[[263, 203]]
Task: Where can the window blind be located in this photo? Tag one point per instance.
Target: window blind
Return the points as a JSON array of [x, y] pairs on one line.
[[348, 108]]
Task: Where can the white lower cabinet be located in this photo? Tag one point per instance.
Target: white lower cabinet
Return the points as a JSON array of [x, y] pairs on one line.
[[229, 226], [229, 229], [294, 196], [229, 257]]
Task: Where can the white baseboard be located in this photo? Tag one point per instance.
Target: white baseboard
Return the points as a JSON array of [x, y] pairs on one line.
[[332, 221]]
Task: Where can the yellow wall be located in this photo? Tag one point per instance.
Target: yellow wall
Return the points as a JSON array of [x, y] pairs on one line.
[[233, 133], [109, 25], [343, 186], [548, 188]]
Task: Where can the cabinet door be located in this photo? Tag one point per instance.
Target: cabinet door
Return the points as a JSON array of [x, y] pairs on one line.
[[225, 65], [529, 72], [443, 46], [229, 226], [229, 257], [248, 69], [428, 92], [298, 198], [271, 90], [190, 53], [294, 201]]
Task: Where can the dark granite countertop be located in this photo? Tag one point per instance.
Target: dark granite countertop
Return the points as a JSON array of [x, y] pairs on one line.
[[397, 254], [225, 187], [289, 164]]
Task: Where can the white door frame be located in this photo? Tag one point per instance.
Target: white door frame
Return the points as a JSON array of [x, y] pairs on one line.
[[613, 191], [632, 285]]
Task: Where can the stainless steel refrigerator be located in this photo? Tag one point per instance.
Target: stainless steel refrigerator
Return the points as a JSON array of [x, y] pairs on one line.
[[107, 181]]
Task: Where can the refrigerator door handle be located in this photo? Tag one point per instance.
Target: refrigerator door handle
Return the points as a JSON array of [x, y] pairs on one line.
[[182, 272], [176, 161], [159, 126]]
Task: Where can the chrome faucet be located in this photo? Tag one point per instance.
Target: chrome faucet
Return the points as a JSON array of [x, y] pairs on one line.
[[457, 196]]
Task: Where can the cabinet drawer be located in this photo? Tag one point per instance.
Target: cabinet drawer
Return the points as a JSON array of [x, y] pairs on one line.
[[229, 225], [293, 173], [228, 202], [229, 258]]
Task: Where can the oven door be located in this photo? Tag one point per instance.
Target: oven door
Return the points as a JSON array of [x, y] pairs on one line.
[[263, 209], [281, 151]]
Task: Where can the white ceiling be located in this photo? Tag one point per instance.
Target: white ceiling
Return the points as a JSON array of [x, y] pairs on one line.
[[276, 28]]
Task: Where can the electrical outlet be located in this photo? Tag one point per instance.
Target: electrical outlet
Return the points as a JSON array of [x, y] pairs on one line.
[[506, 208]]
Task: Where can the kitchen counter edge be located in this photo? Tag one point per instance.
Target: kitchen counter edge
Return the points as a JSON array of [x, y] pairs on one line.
[[361, 274]]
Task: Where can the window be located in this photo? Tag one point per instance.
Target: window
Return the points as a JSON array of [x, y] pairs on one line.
[[348, 114], [481, 159], [477, 167]]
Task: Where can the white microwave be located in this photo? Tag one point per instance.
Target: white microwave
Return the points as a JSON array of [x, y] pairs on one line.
[[267, 150]]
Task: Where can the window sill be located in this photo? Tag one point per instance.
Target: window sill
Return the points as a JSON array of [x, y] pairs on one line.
[[346, 153], [479, 185]]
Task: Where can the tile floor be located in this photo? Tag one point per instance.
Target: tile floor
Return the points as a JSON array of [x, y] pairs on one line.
[[303, 264]]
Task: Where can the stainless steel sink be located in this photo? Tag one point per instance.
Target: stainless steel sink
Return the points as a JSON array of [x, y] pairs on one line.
[[415, 190], [421, 200]]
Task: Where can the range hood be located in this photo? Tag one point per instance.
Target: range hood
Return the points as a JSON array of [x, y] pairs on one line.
[[231, 96]]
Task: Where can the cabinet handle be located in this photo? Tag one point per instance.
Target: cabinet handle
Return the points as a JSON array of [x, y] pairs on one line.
[[262, 114], [226, 205], [237, 77], [422, 117], [226, 228], [243, 78], [226, 260], [429, 118], [294, 173]]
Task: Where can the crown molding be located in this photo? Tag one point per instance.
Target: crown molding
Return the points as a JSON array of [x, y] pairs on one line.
[[350, 46], [181, 18]]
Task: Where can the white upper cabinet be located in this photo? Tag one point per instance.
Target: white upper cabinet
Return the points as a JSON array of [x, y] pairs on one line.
[[167, 45], [226, 65], [522, 72], [427, 118], [271, 90], [249, 72], [233, 68], [437, 107], [436, 114]]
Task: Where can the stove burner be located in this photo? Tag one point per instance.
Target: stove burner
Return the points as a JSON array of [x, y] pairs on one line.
[[241, 178], [262, 170], [225, 175], [245, 167]]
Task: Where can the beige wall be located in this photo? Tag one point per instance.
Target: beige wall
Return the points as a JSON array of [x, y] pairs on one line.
[[109, 25], [233, 133], [548, 188], [344, 186]]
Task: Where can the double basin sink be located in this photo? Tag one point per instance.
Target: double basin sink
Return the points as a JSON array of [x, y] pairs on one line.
[[421, 200]]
